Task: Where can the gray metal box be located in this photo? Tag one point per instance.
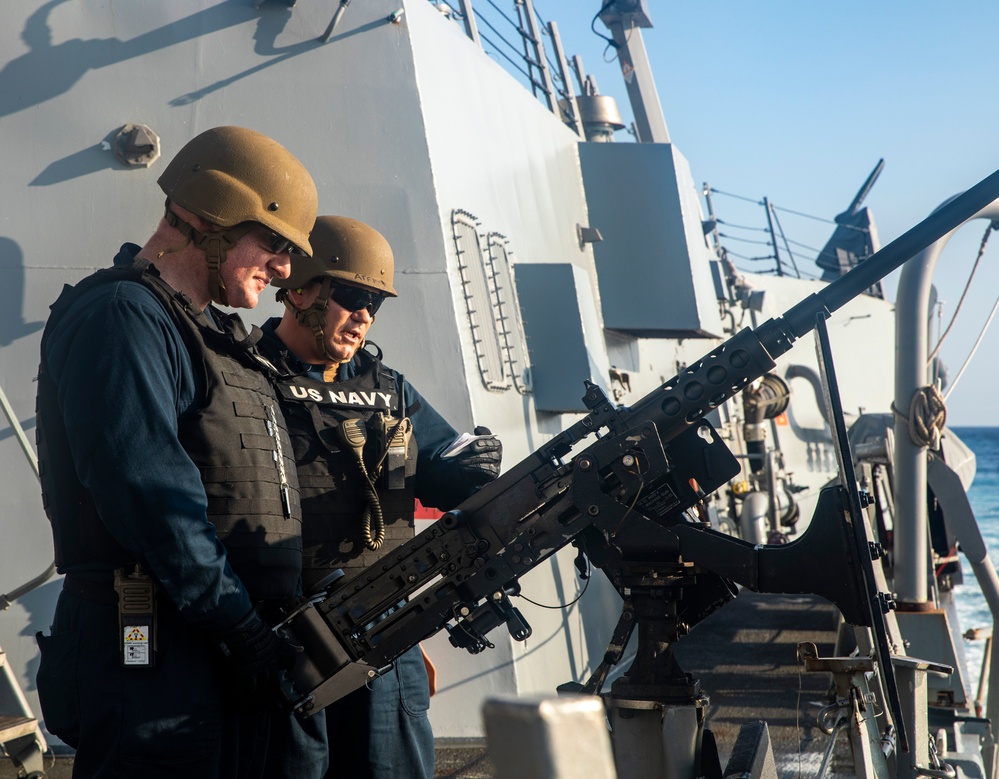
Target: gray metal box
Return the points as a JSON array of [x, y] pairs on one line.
[[560, 324], [549, 738], [654, 264]]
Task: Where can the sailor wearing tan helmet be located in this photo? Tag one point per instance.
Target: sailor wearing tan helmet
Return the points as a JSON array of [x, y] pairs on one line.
[[167, 477], [367, 446]]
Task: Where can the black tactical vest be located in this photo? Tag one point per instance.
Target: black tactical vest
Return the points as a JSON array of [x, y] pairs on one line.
[[237, 437], [331, 479]]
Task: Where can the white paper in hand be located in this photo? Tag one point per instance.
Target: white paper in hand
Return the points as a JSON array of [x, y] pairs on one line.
[[462, 442]]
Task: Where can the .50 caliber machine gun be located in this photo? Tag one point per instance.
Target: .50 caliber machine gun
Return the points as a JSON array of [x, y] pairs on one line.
[[622, 499]]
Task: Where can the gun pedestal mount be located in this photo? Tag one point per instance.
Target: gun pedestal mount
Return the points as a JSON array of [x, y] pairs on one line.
[[672, 573], [672, 576], [656, 710]]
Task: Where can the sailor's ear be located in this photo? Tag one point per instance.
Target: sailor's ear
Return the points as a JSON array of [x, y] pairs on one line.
[[294, 296], [300, 298]]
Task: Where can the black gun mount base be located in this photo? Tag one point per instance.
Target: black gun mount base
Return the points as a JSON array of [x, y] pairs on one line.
[[656, 711]]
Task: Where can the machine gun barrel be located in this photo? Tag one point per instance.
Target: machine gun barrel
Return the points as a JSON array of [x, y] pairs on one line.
[[750, 354]]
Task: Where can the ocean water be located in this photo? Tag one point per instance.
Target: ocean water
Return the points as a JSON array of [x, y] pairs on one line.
[[984, 496]]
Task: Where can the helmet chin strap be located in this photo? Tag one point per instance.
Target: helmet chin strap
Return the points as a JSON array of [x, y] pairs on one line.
[[214, 245], [313, 317]]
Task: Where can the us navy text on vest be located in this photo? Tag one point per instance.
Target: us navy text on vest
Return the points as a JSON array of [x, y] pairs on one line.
[[376, 400]]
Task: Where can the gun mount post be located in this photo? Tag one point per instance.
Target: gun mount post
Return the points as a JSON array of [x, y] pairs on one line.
[[876, 604]]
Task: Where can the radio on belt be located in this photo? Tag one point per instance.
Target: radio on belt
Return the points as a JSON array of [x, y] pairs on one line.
[[136, 618]]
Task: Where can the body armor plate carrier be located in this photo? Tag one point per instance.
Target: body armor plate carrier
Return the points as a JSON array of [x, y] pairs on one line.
[[333, 482], [237, 437]]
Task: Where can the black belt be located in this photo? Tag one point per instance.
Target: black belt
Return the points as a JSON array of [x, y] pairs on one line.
[[100, 592], [88, 590]]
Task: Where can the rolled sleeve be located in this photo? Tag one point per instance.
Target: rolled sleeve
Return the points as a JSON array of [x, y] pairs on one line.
[[440, 482]]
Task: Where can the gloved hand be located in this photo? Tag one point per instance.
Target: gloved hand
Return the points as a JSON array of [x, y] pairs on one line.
[[255, 657], [480, 461]]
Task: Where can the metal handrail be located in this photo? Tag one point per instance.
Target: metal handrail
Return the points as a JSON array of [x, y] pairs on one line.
[[8, 598], [529, 61]]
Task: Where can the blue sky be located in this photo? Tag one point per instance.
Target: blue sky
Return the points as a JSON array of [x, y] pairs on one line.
[[797, 101]]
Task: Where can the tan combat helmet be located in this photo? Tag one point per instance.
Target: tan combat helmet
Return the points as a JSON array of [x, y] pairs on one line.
[[346, 252], [235, 178]]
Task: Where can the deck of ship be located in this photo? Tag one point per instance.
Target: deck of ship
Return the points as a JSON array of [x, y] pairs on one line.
[[745, 657]]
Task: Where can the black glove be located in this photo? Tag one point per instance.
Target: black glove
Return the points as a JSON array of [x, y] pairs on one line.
[[480, 461], [255, 657]]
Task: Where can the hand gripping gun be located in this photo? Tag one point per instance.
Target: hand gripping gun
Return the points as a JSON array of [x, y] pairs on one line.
[[622, 500]]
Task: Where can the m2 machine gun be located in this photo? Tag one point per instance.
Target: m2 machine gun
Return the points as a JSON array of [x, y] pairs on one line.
[[622, 500]]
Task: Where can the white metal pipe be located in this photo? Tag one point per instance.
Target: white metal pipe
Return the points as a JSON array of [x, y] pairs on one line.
[[911, 350]]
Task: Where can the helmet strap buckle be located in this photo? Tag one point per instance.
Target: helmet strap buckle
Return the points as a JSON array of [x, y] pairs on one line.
[[214, 245]]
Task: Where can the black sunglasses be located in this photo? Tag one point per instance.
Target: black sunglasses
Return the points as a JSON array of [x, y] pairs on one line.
[[278, 244], [355, 298]]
